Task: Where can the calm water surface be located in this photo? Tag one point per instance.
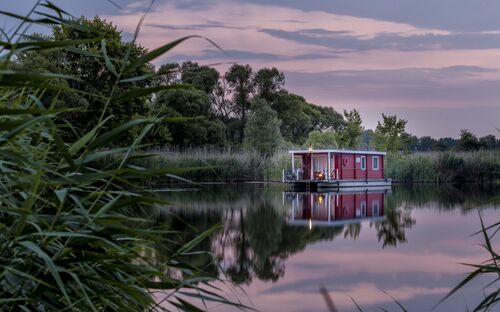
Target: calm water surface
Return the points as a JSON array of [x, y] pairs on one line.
[[279, 247]]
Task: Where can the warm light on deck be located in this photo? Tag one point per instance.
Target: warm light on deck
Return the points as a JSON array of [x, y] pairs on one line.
[[318, 175]]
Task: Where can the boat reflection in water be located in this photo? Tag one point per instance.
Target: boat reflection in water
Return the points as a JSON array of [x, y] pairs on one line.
[[334, 208]]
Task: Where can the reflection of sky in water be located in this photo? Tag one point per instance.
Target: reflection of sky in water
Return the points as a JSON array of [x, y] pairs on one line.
[[418, 272]]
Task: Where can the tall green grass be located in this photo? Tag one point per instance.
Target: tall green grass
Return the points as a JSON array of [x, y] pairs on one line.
[[72, 233], [479, 167], [221, 165]]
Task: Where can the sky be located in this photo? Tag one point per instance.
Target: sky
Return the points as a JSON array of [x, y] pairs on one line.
[[435, 63]]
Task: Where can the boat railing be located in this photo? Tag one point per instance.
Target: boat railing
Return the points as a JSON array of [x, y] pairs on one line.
[[292, 175]]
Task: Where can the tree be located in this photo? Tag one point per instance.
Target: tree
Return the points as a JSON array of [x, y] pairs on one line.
[[202, 130], [198, 132], [96, 76], [168, 74], [348, 137], [241, 85], [445, 144], [203, 77], [188, 103], [426, 143], [262, 131], [489, 142], [296, 116], [327, 118], [390, 135], [321, 139], [413, 143], [268, 82], [367, 138], [468, 141]]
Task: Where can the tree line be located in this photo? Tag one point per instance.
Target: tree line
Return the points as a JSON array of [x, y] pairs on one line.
[[466, 142], [241, 108]]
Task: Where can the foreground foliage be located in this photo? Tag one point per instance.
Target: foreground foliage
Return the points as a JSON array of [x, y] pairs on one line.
[[489, 268], [71, 232]]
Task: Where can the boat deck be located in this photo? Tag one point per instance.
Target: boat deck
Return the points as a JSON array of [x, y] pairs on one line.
[[314, 185]]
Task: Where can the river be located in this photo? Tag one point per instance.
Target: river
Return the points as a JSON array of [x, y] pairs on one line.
[[279, 247]]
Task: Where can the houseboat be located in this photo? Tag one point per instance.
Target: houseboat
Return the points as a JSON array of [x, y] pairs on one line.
[[335, 169], [334, 208]]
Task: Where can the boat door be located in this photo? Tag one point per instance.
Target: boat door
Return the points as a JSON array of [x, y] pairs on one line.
[[336, 167]]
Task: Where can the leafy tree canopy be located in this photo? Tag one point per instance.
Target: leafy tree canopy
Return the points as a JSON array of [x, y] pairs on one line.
[[94, 75], [321, 139], [269, 81], [468, 141], [349, 135], [201, 77], [262, 131], [390, 134], [201, 131], [188, 103]]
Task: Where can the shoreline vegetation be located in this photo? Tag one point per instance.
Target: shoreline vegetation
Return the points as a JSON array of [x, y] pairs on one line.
[[227, 166]]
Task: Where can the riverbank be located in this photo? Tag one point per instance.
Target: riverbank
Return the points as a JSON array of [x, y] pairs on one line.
[[237, 166], [203, 165]]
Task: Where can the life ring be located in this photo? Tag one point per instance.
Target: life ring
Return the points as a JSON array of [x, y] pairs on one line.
[[345, 161]]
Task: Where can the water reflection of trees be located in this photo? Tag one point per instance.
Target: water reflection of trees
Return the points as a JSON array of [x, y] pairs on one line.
[[392, 230], [255, 239], [256, 243]]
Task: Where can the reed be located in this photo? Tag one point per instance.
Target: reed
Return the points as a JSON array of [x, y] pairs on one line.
[[478, 167], [73, 236], [490, 268], [207, 165]]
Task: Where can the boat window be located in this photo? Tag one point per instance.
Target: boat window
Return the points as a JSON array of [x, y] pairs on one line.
[[375, 163], [375, 208], [363, 162]]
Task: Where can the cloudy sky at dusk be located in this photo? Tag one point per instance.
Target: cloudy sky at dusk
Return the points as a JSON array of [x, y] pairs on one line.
[[434, 63]]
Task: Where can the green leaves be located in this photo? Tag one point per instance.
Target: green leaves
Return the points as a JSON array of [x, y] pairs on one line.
[[50, 265], [109, 64], [138, 92], [74, 227]]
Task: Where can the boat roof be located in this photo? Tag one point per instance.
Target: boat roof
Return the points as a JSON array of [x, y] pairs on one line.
[[336, 151]]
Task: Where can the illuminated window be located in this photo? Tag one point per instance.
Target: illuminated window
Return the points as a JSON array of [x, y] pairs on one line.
[[375, 163]]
